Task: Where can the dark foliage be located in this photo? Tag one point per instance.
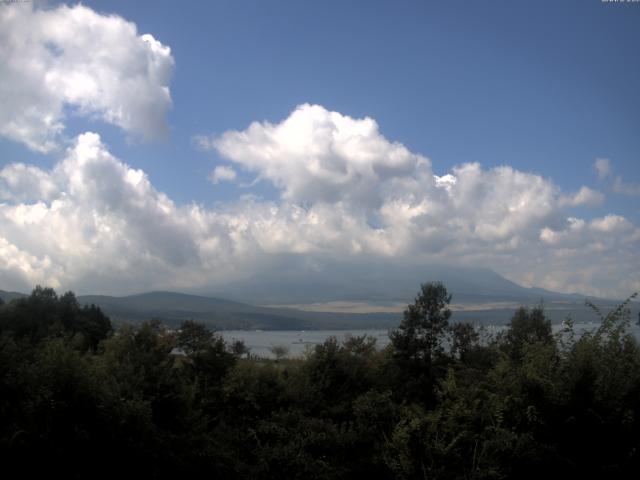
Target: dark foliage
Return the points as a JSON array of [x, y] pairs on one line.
[[444, 401]]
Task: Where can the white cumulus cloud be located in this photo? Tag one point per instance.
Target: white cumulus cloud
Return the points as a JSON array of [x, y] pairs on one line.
[[222, 173], [626, 188], [72, 59], [25, 182], [584, 196], [603, 167], [319, 155], [347, 194]]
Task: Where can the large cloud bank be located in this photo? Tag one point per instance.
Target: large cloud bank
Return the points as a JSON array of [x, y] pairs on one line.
[[72, 60], [93, 223], [347, 195]]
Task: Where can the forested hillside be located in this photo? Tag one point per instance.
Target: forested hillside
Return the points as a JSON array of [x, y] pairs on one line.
[[79, 399]]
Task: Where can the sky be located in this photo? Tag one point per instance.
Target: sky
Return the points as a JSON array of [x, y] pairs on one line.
[[183, 145]]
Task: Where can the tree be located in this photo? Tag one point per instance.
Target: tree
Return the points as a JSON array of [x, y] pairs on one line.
[[194, 337], [464, 339], [335, 373], [418, 354], [43, 314], [207, 361], [279, 351], [525, 328], [239, 348], [420, 334]]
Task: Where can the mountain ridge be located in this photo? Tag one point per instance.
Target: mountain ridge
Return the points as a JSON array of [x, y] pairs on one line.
[[484, 295]]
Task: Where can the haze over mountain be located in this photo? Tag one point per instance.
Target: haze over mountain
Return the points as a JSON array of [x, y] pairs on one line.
[[351, 302], [172, 308], [377, 283]]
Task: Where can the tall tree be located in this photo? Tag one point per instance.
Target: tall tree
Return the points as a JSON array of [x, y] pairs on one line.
[[417, 343], [420, 334]]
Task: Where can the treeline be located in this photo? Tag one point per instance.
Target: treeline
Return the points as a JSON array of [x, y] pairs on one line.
[[80, 400]]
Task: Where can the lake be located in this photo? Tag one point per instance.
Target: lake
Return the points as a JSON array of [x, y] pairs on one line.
[[260, 342]]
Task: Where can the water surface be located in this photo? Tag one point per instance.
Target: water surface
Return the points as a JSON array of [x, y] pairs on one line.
[[297, 342]]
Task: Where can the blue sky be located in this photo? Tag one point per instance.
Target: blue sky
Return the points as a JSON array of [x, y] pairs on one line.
[[543, 87]]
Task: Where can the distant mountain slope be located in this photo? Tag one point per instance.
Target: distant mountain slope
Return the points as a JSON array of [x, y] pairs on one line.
[[383, 283], [480, 296], [174, 308], [8, 296]]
